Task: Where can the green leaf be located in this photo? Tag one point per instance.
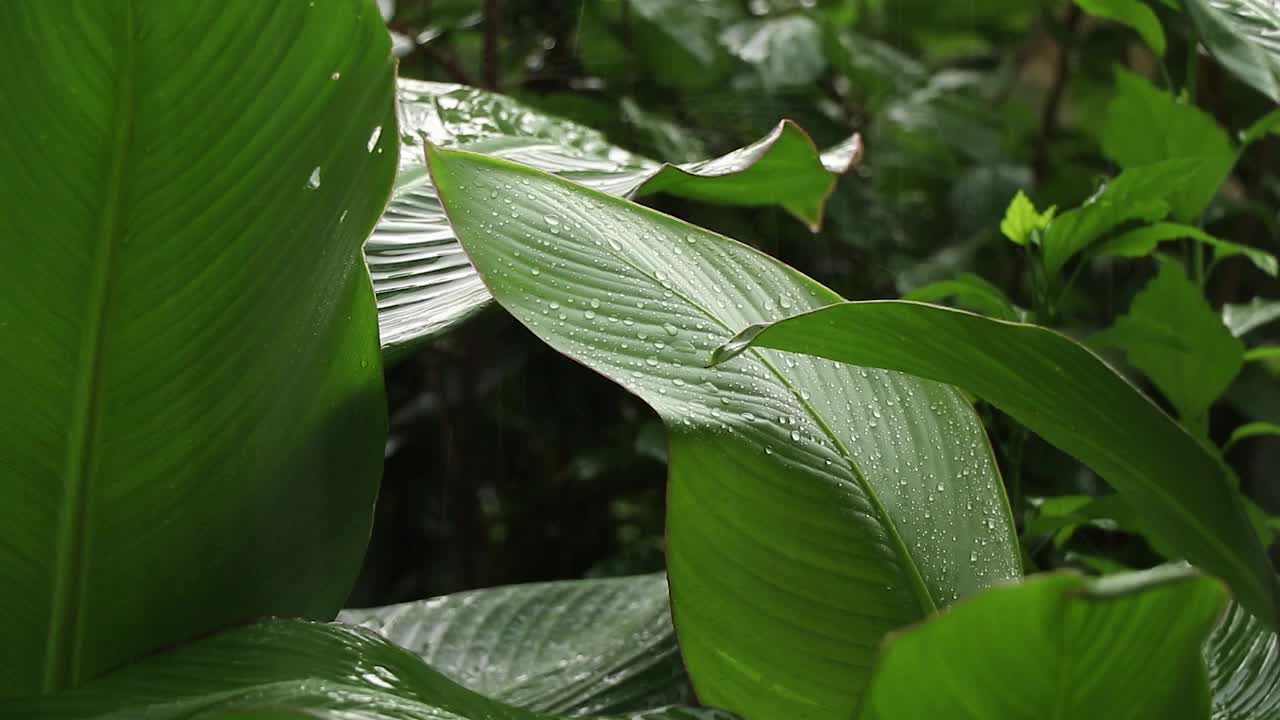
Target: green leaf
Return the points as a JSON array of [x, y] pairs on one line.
[[1244, 319], [1063, 514], [812, 507], [191, 391], [784, 51], [1251, 430], [425, 283], [1142, 241], [1069, 397], [1133, 13], [970, 292], [1243, 655], [1242, 35], [1021, 220], [1172, 335], [1146, 125], [576, 647], [1262, 353], [1268, 124], [675, 40], [1123, 647], [287, 669], [1139, 193]]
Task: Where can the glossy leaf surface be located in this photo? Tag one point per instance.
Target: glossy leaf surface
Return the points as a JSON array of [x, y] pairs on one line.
[[190, 392], [812, 507], [1067, 647], [1244, 667], [425, 283], [287, 669], [1183, 492], [1244, 35], [576, 647]]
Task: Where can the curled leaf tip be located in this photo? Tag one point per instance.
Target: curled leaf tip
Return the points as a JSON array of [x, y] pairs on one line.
[[735, 346]]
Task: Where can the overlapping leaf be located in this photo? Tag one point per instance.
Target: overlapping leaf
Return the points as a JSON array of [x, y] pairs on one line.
[[813, 507], [424, 282], [190, 387], [1244, 35], [1183, 492]]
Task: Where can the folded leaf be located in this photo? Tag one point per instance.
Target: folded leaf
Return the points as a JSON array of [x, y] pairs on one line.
[[1179, 486], [287, 669], [1123, 647], [190, 389], [1142, 241], [812, 507], [424, 281], [575, 647]]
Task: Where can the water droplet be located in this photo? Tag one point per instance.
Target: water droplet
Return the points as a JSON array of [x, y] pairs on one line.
[[795, 435], [651, 361], [691, 239], [551, 219], [595, 303], [335, 75], [536, 271], [671, 329], [373, 138], [749, 417], [313, 182], [590, 315]]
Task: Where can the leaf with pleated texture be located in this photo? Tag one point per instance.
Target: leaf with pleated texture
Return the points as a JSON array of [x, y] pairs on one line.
[[288, 669], [1244, 35], [1244, 667], [424, 282], [574, 647], [812, 507], [191, 388], [1182, 491], [1123, 647]]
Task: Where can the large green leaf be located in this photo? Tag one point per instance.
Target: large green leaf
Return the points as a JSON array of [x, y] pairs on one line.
[[1146, 125], [190, 386], [424, 282], [575, 647], [286, 669], [1172, 335], [1244, 35], [1061, 391], [812, 507], [1244, 668], [1134, 13], [1123, 647]]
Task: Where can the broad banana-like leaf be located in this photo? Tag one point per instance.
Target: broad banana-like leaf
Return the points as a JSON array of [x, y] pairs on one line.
[[1244, 667], [1182, 491], [1244, 35], [424, 282], [191, 399], [1061, 645], [287, 669], [813, 507], [582, 647]]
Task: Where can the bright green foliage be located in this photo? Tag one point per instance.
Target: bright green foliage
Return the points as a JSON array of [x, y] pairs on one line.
[[1172, 335], [1059, 646], [290, 669], [578, 647], [807, 500], [970, 292], [1244, 35], [1022, 220], [1142, 241], [1142, 192], [425, 284], [1147, 125], [1268, 124], [1251, 430], [191, 396], [1134, 13], [1049, 383]]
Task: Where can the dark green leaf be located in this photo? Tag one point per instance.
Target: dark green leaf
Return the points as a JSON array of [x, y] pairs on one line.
[[190, 390], [286, 668], [1244, 35], [424, 281], [1061, 391], [1123, 647], [812, 507], [578, 647], [1146, 125], [1172, 335], [970, 292]]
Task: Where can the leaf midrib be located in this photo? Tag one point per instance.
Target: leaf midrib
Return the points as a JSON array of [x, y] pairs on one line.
[[923, 596], [64, 640]]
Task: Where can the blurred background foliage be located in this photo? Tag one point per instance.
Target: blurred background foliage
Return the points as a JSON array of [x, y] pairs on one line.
[[509, 463]]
